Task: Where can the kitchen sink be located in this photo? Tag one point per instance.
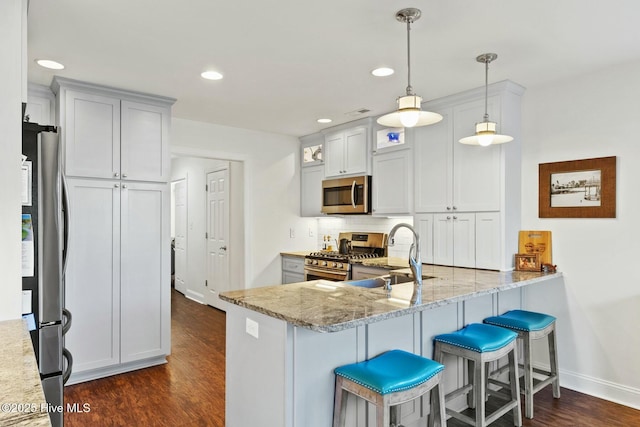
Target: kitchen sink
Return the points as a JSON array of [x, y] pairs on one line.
[[378, 282]]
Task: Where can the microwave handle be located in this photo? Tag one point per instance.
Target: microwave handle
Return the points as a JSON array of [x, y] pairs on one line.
[[353, 194]]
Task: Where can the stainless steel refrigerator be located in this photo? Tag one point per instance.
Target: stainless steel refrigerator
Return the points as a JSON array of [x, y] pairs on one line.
[[45, 210]]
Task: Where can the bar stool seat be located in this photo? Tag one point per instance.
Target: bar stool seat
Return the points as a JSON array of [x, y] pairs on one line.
[[480, 344], [531, 326], [387, 380]]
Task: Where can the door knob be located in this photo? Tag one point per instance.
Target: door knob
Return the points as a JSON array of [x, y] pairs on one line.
[[223, 248]]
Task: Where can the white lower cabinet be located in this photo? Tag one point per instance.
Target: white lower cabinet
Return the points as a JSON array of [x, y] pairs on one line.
[[292, 269], [118, 276], [461, 239], [454, 239]]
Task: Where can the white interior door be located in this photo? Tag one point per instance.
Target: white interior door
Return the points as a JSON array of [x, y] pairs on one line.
[[180, 236], [217, 236]]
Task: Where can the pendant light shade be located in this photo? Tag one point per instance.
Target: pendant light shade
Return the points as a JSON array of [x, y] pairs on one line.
[[409, 112], [486, 130]]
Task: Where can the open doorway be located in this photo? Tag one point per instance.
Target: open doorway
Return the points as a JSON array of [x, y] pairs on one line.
[[179, 235], [197, 276]]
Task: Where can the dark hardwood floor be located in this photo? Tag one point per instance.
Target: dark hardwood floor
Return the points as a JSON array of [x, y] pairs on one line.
[[189, 390]]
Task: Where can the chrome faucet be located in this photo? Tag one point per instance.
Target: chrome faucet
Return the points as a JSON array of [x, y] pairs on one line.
[[415, 263]]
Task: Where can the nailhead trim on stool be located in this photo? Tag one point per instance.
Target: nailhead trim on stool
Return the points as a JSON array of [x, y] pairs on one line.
[[532, 326], [480, 344], [387, 380]]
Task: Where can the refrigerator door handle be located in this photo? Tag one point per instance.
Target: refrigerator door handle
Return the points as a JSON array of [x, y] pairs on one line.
[[66, 354], [67, 221], [66, 320]]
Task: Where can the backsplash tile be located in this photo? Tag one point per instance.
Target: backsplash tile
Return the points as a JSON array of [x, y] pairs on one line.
[[332, 226]]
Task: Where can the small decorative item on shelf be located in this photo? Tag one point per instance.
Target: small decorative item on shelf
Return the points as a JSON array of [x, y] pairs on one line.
[[549, 268], [528, 262]]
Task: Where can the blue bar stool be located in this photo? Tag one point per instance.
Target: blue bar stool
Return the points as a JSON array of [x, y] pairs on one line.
[[480, 344], [532, 326], [387, 380]]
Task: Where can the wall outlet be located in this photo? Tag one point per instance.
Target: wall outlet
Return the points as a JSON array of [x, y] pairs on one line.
[[292, 232], [311, 232], [252, 328]]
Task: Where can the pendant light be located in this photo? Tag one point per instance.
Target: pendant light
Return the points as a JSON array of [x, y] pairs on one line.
[[409, 113], [486, 130]]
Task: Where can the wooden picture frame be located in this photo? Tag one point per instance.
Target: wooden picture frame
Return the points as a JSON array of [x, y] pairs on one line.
[[528, 262], [577, 188]]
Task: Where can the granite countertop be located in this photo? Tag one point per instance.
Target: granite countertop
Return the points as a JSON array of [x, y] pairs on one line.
[[298, 254], [21, 395], [326, 306]]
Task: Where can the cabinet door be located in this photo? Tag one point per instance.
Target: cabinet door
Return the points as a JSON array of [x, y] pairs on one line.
[[433, 162], [289, 277], [392, 183], [39, 110], [145, 142], [145, 283], [355, 152], [477, 170], [91, 131], [443, 239], [488, 248], [334, 151], [464, 240], [311, 190], [92, 281], [424, 226]]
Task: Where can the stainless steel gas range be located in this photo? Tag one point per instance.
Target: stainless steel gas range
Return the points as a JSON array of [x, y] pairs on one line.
[[336, 265]]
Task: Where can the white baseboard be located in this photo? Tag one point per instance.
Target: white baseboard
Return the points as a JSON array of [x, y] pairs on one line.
[[602, 389], [94, 374]]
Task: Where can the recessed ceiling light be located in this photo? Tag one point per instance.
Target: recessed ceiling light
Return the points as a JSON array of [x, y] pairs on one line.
[[324, 120], [211, 75], [382, 72], [47, 63]]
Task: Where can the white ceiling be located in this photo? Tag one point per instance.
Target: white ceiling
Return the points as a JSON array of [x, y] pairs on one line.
[[288, 62]]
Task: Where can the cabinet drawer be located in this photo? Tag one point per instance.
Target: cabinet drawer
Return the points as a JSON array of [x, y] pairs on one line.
[[294, 265]]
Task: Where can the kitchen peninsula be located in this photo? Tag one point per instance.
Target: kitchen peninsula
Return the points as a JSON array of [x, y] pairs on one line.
[[283, 342]]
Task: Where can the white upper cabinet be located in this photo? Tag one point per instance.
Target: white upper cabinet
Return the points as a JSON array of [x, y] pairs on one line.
[[144, 145], [110, 133], [91, 131], [392, 183], [311, 190], [347, 152], [476, 169], [40, 105]]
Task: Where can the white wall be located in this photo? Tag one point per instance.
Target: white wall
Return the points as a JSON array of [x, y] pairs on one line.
[[598, 307], [11, 82], [272, 196]]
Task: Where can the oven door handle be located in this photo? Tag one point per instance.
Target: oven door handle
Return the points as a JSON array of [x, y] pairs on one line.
[[337, 275], [353, 194]]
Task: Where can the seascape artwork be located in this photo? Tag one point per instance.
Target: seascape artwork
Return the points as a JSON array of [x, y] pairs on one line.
[[576, 189]]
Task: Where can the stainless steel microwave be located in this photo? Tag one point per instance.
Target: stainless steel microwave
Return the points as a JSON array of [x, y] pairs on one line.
[[347, 195]]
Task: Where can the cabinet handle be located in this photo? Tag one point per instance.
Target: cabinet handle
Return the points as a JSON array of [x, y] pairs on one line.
[[448, 208], [124, 175], [116, 186], [116, 174], [124, 185], [448, 217], [455, 217], [455, 208]]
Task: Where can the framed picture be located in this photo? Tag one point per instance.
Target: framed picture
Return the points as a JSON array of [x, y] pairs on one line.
[[528, 262], [578, 189]]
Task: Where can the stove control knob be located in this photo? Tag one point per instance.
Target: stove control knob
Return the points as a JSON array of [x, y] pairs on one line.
[[334, 265], [339, 265], [324, 263], [315, 262]]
